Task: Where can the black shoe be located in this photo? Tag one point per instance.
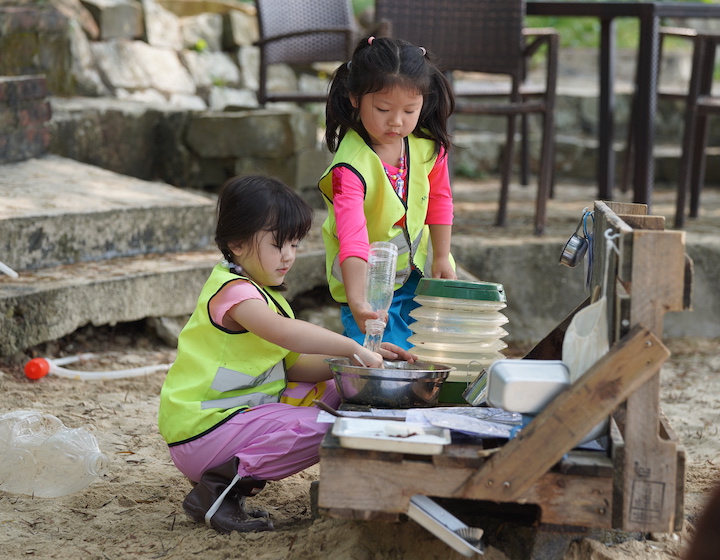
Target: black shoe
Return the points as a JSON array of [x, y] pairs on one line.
[[219, 500]]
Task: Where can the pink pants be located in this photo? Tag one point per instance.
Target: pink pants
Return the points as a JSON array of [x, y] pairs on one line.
[[272, 441]]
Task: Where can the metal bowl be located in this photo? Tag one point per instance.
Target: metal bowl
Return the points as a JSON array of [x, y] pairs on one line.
[[397, 385]]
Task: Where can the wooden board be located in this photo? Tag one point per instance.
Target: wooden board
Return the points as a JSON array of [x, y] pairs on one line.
[[650, 463], [652, 276], [359, 487]]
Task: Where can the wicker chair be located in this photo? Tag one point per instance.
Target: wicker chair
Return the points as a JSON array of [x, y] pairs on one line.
[[699, 104], [487, 36], [300, 34]]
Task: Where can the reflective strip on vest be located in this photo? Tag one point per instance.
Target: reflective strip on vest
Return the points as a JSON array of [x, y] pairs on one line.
[[229, 380]]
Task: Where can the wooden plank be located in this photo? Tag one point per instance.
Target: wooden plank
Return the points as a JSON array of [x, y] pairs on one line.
[[617, 454], [357, 488], [567, 419], [605, 220], [656, 223], [618, 208], [649, 462], [666, 432]]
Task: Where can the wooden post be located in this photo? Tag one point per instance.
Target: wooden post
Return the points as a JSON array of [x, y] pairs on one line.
[[651, 272]]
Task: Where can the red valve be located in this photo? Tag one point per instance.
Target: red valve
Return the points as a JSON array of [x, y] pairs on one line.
[[37, 368]]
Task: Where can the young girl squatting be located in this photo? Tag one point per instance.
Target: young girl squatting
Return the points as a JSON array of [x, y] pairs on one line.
[[235, 405]]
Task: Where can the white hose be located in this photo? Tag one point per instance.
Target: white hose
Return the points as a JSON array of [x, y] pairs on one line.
[[7, 270], [115, 374], [39, 367]]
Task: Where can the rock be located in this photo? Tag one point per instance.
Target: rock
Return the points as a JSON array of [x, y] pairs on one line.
[[202, 30], [162, 27], [116, 19], [210, 68]]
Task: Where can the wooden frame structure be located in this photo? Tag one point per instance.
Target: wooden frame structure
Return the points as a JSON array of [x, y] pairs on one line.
[[636, 485]]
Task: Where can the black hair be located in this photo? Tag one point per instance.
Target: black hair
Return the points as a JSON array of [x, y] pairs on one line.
[[253, 203], [379, 64]]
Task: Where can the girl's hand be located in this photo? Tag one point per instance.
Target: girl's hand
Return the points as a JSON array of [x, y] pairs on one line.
[[392, 351], [362, 312], [441, 268], [370, 359]]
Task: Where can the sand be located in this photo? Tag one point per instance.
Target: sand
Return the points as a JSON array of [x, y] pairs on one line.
[[134, 510]]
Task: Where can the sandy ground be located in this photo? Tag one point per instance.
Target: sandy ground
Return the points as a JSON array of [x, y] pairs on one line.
[[134, 510]]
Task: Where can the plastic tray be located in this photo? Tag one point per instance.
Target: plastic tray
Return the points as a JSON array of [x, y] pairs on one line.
[[363, 433]]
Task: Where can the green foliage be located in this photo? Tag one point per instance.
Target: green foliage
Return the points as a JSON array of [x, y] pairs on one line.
[[360, 5], [200, 45], [585, 32]]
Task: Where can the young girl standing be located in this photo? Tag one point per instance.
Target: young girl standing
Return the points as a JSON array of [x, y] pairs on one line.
[[386, 122], [234, 405]]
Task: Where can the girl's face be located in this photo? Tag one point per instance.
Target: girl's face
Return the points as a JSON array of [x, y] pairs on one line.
[[389, 115], [263, 261]]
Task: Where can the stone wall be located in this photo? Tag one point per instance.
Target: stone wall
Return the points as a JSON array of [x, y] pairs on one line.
[[161, 90], [24, 112]]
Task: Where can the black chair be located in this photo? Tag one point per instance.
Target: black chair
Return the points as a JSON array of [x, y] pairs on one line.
[[300, 34], [699, 105], [487, 36]]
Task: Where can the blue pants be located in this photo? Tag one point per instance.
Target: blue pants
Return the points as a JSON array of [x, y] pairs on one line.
[[397, 330]]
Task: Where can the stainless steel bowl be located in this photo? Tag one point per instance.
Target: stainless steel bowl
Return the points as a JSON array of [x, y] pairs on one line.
[[397, 385]]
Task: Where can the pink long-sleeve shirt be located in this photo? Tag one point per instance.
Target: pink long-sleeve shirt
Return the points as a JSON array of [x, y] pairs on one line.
[[348, 197]]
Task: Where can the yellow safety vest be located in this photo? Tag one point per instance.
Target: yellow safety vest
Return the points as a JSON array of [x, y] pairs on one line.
[[218, 372], [382, 206]]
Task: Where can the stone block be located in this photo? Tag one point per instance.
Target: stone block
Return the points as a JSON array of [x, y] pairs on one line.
[[177, 165], [36, 41], [212, 69], [116, 19], [22, 144], [84, 71], [248, 59], [187, 102], [40, 307], [135, 65], [240, 29], [162, 27], [231, 99], [89, 214], [23, 116], [262, 134], [301, 171], [202, 32], [96, 131]]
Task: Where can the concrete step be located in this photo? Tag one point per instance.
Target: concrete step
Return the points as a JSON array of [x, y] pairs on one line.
[[59, 211], [47, 304], [95, 247]]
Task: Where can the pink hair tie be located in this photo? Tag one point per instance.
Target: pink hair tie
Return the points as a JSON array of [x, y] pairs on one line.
[[423, 50], [370, 40]]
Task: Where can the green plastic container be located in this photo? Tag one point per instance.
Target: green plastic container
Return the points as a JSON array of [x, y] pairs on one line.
[[458, 323]]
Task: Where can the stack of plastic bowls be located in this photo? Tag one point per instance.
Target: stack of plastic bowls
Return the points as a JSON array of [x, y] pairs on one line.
[[459, 324]]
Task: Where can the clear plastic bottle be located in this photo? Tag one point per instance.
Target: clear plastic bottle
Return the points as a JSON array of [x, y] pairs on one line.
[[379, 288], [42, 457]]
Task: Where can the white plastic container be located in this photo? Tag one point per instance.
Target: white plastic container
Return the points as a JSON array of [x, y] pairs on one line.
[[459, 323], [526, 386], [390, 435], [41, 457]]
